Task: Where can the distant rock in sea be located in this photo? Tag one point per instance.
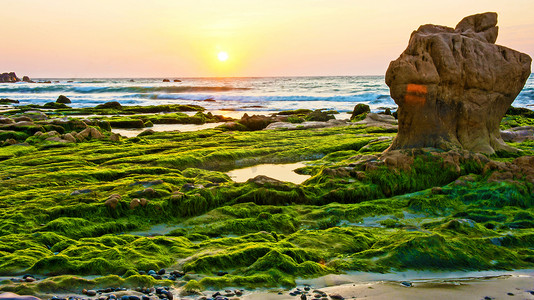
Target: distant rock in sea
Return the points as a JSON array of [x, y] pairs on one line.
[[9, 77], [453, 86]]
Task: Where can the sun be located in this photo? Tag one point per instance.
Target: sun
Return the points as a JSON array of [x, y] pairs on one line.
[[222, 56]]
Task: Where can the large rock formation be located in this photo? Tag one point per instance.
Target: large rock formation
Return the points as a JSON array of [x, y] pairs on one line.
[[453, 86]]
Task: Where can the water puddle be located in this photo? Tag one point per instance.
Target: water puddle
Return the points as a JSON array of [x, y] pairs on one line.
[[165, 127], [282, 172]]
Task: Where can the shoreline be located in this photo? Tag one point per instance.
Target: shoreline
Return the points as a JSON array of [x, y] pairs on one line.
[[519, 283]]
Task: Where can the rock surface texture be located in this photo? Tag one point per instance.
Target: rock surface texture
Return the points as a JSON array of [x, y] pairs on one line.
[[453, 86]]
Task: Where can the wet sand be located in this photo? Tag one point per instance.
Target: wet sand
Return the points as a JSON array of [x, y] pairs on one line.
[[501, 287]]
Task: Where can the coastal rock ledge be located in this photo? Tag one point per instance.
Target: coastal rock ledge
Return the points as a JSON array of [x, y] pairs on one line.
[[453, 86]]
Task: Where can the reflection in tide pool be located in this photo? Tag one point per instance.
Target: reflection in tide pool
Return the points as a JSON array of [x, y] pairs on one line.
[[282, 172]]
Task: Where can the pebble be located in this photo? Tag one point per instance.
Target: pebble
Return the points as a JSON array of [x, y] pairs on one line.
[[303, 297], [151, 272], [161, 272], [510, 294], [406, 284], [336, 297], [91, 293]]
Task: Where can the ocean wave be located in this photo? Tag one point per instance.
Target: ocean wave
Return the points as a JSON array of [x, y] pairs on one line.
[[112, 89], [368, 97]]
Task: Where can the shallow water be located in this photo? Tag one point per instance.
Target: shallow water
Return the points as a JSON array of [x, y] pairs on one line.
[[282, 172], [165, 127]]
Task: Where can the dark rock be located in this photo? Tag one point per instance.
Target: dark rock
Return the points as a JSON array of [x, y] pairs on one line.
[[453, 86], [27, 79], [161, 272], [111, 105], [63, 99], [9, 77], [255, 122], [406, 284], [221, 273], [8, 101], [303, 297], [91, 293], [146, 132], [265, 181], [319, 116], [360, 109], [177, 80], [336, 297], [55, 105], [166, 80]]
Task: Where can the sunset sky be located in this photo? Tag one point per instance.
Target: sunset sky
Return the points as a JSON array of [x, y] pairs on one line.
[[176, 38]]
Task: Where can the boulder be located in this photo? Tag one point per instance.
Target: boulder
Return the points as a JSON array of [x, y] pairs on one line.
[[255, 122], [359, 109], [8, 101], [454, 85], [9, 77], [27, 79], [111, 104], [63, 99]]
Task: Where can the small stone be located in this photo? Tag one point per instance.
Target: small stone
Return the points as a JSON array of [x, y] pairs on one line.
[[510, 294], [336, 297], [151, 272], [406, 284], [162, 271], [303, 297], [91, 293], [221, 273]]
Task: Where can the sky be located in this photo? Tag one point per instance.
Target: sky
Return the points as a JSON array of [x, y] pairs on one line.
[[183, 38]]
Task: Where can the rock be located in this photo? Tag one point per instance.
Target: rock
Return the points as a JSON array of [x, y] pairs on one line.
[[406, 284], [151, 272], [91, 293], [453, 86], [359, 109], [265, 181], [111, 105], [69, 137], [306, 125], [22, 119], [518, 134], [255, 122], [319, 116], [378, 120], [161, 272], [112, 201], [146, 132], [9, 77], [336, 297], [143, 203], [63, 99], [27, 79], [114, 137], [166, 80], [8, 101], [90, 132], [6, 120], [134, 203], [177, 80], [13, 296]]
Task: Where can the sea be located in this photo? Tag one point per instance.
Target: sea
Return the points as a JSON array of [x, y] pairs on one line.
[[243, 94]]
